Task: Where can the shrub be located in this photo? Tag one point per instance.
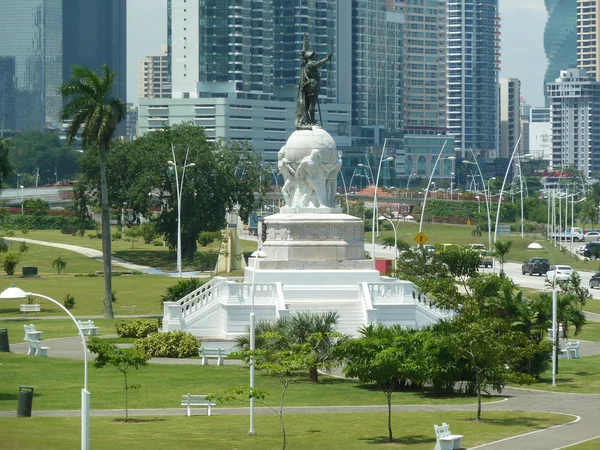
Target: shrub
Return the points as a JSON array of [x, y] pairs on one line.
[[49, 222], [36, 206], [9, 262], [3, 246], [25, 230], [182, 288], [170, 344], [148, 232], [208, 237], [206, 260], [137, 328], [69, 301], [158, 243], [69, 229], [116, 235], [23, 247]]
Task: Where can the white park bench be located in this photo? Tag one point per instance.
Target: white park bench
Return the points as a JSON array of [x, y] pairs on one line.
[[445, 440], [30, 307], [217, 353], [36, 349], [571, 350], [189, 400], [32, 333], [88, 328]]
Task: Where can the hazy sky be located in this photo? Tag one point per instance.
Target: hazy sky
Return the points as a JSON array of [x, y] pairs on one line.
[[522, 23]]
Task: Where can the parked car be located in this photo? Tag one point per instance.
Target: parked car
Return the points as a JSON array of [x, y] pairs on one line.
[[487, 260], [580, 250], [560, 273], [595, 281], [535, 265], [477, 246], [592, 250], [592, 235], [429, 248]]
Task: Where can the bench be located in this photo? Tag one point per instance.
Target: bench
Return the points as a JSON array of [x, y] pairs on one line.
[[88, 328], [571, 350], [30, 307], [217, 353], [445, 440], [189, 400], [35, 348], [32, 333]]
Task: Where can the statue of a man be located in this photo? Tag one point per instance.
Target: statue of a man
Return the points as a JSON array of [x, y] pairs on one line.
[[310, 85]]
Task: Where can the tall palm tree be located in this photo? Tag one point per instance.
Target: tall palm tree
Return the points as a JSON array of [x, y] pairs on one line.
[[96, 113], [501, 249]]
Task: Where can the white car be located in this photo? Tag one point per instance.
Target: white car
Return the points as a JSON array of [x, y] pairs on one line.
[[562, 273], [580, 250], [592, 236]]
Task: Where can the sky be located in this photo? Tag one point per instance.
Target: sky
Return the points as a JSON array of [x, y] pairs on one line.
[[522, 28]]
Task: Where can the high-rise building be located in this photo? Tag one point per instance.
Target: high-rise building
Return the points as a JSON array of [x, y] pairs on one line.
[[560, 38], [473, 66], [243, 49], [31, 47], [575, 106], [94, 33], [154, 79], [7, 94], [510, 114], [588, 50], [540, 133], [424, 68]]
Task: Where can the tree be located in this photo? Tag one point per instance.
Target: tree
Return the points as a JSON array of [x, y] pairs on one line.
[[95, 113], [10, 261], [383, 356], [123, 359], [317, 331], [5, 164], [59, 264], [133, 234], [501, 250]]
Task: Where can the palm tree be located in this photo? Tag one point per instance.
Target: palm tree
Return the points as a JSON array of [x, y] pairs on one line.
[[501, 249], [94, 111]]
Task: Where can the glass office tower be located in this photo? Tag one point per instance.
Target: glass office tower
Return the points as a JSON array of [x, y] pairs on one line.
[[31, 56], [560, 39]]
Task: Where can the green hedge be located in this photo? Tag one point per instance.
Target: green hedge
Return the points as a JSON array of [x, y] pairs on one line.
[[170, 344], [137, 328], [19, 221]]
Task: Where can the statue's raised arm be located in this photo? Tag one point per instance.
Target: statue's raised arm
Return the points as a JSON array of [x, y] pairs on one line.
[[309, 87]]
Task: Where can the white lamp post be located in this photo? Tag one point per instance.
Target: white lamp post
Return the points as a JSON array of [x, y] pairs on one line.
[[179, 188], [536, 246], [256, 255], [478, 203], [14, 292], [22, 197], [429, 184], [395, 240], [373, 223], [451, 183]]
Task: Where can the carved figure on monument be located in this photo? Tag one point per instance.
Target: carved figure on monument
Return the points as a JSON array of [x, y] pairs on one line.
[[314, 172], [288, 173], [309, 87], [332, 179]]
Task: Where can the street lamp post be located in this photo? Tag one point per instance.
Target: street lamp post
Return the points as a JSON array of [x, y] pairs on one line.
[[536, 246], [391, 158], [395, 240], [22, 197], [451, 183], [17, 189], [478, 204], [14, 292], [429, 184], [256, 255], [179, 188]]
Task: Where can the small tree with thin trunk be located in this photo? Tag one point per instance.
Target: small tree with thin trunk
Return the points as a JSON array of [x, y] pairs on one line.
[[59, 264], [501, 250], [123, 359]]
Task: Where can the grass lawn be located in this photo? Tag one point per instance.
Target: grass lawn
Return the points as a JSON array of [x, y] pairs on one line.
[[592, 305], [578, 376], [592, 444], [144, 254], [590, 332], [58, 385], [304, 431], [136, 294]]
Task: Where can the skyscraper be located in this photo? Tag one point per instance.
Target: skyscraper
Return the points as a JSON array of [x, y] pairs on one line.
[[154, 81], [510, 114], [560, 38], [588, 50], [31, 48], [94, 33], [473, 66], [247, 50], [575, 104]]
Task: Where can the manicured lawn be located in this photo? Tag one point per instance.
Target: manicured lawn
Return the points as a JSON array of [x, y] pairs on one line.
[[590, 332], [136, 294], [58, 385], [304, 431], [593, 444], [592, 305]]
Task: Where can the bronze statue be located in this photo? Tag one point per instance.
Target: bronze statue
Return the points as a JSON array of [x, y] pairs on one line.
[[310, 85]]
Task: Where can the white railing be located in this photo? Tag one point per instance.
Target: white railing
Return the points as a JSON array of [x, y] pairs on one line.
[[364, 297]]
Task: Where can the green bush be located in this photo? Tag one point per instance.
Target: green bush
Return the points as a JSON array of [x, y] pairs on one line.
[[10, 261], [36, 206], [148, 232], [208, 237], [137, 328], [51, 222], [69, 229], [69, 301], [182, 288], [171, 344], [206, 260]]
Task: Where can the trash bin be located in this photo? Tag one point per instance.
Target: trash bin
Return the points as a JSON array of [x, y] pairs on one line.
[[4, 347], [25, 401]]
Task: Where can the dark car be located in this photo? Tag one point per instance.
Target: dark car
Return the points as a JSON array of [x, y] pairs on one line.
[[592, 250], [595, 281], [535, 265]]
